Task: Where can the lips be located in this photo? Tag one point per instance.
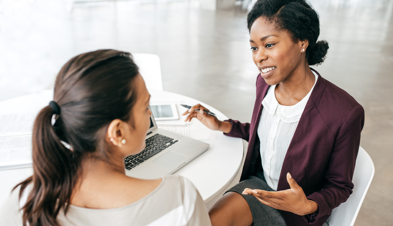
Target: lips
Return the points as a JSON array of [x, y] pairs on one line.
[[267, 71]]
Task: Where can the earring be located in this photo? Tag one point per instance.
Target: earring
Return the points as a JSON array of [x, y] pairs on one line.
[[302, 50], [123, 141], [111, 139]]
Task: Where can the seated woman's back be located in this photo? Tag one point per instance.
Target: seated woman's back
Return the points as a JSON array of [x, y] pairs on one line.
[[100, 115], [175, 201]]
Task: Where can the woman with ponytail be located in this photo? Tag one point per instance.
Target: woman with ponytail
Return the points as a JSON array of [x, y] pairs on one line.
[[99, 115], [304, 134]]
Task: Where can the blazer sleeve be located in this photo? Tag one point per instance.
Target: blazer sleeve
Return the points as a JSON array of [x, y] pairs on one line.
[[338, 177], [239, 130]]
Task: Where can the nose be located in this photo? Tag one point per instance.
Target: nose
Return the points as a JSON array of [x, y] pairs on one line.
[[260, 56]]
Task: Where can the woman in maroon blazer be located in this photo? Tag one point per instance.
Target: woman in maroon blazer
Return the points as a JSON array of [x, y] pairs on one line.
[[319, 160]]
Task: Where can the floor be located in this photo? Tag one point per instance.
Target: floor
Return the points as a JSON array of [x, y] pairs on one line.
[[205, 55]]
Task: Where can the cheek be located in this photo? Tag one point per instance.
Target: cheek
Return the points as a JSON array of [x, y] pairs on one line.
[[283, 60], [254, 55], [279, 58]]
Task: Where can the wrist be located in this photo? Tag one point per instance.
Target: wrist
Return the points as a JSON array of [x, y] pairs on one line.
[[219, 125], [312, 207], [224, 127]]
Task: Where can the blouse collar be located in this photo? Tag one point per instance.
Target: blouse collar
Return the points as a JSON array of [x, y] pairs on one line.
[[287, 114]]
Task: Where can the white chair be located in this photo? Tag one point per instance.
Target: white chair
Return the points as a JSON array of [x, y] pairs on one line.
[[150, 69], [346, 213]]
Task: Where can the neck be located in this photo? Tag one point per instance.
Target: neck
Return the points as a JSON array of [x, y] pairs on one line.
[[95, 170], [296, 86], [90, 166]]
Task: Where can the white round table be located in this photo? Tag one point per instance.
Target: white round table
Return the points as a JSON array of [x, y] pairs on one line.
[[212, 172]]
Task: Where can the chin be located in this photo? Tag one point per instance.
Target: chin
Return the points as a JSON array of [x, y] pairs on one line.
[[271, 81]]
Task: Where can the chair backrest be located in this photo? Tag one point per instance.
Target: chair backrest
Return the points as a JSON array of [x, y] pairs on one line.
[[150, 69], [346, 213]]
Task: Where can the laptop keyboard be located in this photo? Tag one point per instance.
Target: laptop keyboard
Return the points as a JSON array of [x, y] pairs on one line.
[[154, 145]]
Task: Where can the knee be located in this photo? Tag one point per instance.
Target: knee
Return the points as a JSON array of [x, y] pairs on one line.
[[217, 217], [220, 214], [231, 209]]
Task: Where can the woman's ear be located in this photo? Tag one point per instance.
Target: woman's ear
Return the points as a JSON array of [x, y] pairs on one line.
[[303, 45], [115, 133]]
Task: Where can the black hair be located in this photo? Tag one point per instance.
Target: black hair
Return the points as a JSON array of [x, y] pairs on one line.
[[297, 17], [92, 89]]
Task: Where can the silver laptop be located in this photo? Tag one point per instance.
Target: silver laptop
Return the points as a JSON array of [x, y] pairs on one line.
[[165, 153]]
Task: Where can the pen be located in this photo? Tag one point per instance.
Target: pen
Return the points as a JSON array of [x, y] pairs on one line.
[[207, 112]]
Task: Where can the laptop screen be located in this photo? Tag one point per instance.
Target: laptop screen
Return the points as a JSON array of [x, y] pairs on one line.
[[151, 123]]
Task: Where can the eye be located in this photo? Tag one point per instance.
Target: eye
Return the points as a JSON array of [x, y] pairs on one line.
[[253, 48], [269, 45]]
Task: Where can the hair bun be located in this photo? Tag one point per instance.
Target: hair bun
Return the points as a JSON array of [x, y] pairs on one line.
[[317, 54]]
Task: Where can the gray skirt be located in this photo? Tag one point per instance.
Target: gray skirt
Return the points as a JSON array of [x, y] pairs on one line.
[[262, 215]]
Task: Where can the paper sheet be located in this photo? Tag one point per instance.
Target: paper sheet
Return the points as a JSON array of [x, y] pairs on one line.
[[15, 149], [196, 131], [16, 124]]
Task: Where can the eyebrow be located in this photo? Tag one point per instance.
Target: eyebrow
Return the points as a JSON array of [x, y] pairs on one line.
[[264, 38]]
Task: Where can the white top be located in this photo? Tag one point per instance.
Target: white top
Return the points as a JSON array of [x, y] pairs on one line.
[[275, 131], [174, 202]]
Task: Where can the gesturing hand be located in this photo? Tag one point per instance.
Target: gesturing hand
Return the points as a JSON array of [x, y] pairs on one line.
[[291, 200], [209, 121]]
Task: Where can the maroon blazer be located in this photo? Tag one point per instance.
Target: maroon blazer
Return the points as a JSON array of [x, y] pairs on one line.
[[322, 154]]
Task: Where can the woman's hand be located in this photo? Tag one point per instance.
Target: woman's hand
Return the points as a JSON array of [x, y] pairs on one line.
[[291, 200], [209, 121]]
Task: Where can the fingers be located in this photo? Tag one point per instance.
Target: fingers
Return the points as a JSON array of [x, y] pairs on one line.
[[255, 192], [191, 116], [193, 112], [263, 196], [195, 107], [272, 195], [247, 191]]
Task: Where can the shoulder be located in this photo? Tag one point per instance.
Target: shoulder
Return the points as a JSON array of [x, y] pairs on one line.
[[9, 210], [180, 184], [335, 105], [183, 188], [338, 98], [193, 207]]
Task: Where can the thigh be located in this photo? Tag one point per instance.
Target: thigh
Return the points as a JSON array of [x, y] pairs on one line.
[[261, 215], [231, 209]]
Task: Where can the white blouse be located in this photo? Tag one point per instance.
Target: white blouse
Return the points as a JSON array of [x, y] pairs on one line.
[[276, 128], [175, 201]]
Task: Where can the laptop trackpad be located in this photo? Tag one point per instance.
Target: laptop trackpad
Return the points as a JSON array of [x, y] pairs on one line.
[[170, 159]]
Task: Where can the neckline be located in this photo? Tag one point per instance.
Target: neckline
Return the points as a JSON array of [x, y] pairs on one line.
[[286, 113]]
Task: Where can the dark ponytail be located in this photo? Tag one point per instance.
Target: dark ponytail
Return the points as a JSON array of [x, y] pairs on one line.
[[317, 53], [297, 17], [53, 177], [92, 89]]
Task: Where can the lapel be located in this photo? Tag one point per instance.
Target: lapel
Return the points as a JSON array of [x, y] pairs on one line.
[[296, 153], [262, 88], [250, 163]]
